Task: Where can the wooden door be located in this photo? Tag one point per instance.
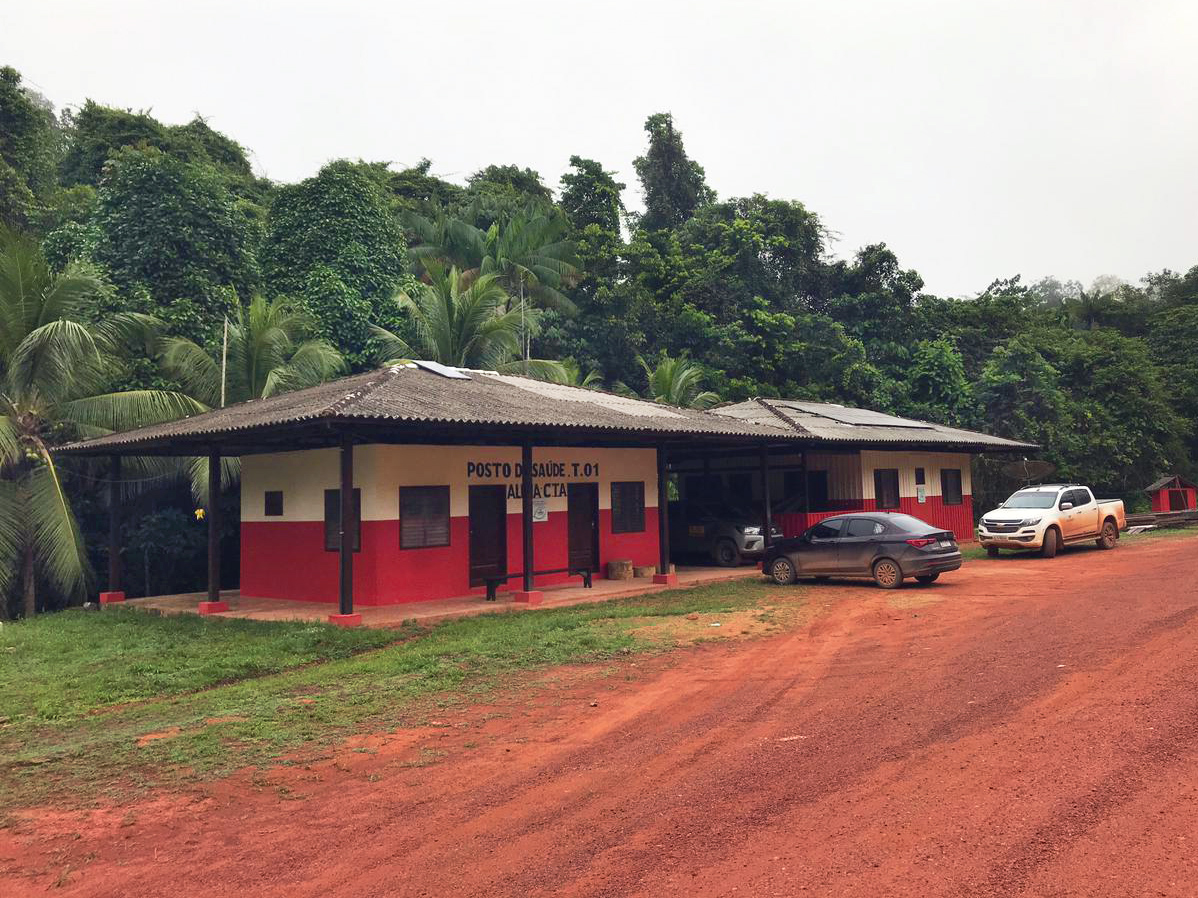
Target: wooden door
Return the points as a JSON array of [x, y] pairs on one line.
[[488, 532], [582, 513]]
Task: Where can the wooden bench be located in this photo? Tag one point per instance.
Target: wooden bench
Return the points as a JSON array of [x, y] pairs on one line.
[[494, 581]]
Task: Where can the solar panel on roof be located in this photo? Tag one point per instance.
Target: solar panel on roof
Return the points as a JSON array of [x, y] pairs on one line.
[[438, 368], [857, 416]]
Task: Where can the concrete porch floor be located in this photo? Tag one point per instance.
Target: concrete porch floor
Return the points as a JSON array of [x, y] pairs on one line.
[[558, 596]]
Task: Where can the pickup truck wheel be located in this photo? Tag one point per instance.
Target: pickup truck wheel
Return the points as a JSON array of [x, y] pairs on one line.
[[725, 553], [782, 571], [1052, 542], [887, 574], [1110, 535], [992, 551]]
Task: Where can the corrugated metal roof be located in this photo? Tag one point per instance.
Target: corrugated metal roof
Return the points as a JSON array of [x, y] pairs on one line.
[[827, 422], [1166, 481], [413, 394]]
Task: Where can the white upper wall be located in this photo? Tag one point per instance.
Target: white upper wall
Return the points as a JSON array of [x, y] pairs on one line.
[[907, 462], [380, 470]]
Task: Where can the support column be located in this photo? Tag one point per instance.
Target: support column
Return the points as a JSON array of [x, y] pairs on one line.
[[346, 617], [214, 604], [766, 510], [665, 571], [527, 594], [114, 593]]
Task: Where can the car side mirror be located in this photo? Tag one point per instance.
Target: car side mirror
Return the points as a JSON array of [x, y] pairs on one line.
[[1065, 506]]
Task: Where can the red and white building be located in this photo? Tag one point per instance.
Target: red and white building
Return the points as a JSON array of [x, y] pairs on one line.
[[446, 479]]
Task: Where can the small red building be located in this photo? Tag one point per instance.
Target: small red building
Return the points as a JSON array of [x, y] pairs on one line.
[[1173, 494]]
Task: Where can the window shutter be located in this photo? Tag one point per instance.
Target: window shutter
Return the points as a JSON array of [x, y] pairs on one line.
[[423, 516]]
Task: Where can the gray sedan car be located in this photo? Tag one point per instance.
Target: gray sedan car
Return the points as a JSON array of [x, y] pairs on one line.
[[887, 547]]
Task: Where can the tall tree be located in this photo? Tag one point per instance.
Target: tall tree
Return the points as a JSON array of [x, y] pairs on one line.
[[57, 369], [333, 245], [674, 185], [171, 228], [29, 147]]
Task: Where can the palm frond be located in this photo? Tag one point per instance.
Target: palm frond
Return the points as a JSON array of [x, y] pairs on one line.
[[128, 409], [197, 470], [13, 533], [55, 360], [541, 369], [195, 370], [11, 450], [58, 548]]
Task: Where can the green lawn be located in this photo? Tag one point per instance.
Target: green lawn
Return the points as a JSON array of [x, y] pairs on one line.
[[81, 689]]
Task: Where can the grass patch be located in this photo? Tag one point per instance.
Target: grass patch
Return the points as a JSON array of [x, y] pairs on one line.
[[61, 666], [75, 755]]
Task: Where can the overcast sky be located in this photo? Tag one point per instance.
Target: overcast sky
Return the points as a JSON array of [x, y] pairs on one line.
[[978, 139]]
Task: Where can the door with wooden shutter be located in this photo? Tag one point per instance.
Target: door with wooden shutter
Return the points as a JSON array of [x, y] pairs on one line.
[[582, 513]]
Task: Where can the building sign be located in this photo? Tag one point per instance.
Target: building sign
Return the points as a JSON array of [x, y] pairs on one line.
[[555, 472], [921, 494], [540, 510]]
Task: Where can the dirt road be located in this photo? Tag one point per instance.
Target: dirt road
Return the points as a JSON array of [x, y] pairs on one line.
[[1029, 728]]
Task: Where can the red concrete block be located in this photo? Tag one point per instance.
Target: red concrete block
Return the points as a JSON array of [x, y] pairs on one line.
[[109, 598], [213, 607], [529, 598], [670, 579], [346, 620]]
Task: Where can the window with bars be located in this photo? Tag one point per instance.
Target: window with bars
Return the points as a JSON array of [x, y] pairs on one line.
[[628, 507], [423, 517], [332, 521], [886, 487], [950, 486]]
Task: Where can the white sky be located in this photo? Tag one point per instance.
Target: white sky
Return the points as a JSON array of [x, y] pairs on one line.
[[978, 138]]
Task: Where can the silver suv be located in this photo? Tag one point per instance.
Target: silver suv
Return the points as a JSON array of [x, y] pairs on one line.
[[727, 535]]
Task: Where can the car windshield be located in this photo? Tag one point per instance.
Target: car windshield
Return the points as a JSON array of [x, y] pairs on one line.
[[1031, 499]]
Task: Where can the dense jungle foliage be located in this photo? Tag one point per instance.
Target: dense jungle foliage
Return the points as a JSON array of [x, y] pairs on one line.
[[167, 228]]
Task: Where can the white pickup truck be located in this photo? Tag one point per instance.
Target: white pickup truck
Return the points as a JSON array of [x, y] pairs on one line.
[[1051, 516]]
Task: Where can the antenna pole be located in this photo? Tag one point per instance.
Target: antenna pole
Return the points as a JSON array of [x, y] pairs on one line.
[[224, 361]]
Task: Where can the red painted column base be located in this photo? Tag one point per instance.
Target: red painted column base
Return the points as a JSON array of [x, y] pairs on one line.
[[213, 607], [346, 620], [533, 597], [666, 579], [109, 598]]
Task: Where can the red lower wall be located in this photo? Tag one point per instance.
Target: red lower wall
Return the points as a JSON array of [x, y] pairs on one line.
[[287, 560], [957, 518]]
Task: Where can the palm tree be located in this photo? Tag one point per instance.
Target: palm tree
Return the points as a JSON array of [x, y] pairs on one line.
[[466, 325], [529, 252], [677, 381], [57, 370], [574, 376], [270, 349]]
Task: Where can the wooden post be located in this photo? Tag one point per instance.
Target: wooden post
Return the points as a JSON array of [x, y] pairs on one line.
[[214, 604], [527, 593], [114, 593], [526, 512], [664, 573], [766, 511]]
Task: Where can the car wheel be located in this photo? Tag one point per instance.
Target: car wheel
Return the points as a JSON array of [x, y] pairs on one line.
[[1110, 536], [726, 554], [1052, 542], [887, 574], [927, 579], [782, 571], [992, 551]]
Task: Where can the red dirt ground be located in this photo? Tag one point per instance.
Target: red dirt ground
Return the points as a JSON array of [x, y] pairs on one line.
[[1026, 727]]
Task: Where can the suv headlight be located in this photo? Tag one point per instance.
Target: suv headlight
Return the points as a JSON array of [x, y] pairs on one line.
[[752, 531], [1029, 522]]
